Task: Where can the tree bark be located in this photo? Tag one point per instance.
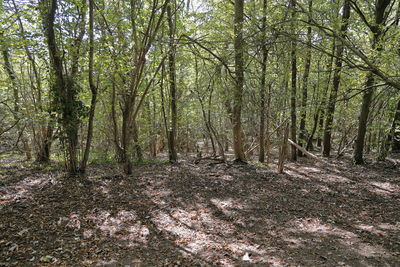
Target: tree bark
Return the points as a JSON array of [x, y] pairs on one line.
[[293, 91], [377, 31], [93, 89], [172, 154], [239, 82], [64, 89], [303, 115], [395, 132], [261, 155], [362, 122]]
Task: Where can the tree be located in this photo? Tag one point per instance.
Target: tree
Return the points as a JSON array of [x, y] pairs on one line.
[[92, 87], [293, 91], [239, 82], [336, 81], [172, 87], [303, 113], [64, 86], [261, 156], [377, 29]]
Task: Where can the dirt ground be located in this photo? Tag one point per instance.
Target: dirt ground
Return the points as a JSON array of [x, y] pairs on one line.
[[204, 214]]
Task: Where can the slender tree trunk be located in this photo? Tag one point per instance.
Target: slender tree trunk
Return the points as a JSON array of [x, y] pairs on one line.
[[173, 157], [151, 111], [303, 115], [116, 139], [267, 124], [261, 156], [93, 89], [239, 82], [293, 91], [336, 82], [283, 147]]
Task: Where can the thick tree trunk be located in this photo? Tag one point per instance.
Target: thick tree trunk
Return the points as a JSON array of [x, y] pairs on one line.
[[377, 31], [362, 123], [336, 82], [64, 88], [239, 82], [125, 138], [303, 115]]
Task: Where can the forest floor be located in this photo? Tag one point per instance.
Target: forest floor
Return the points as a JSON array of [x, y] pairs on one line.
[[204, 214]]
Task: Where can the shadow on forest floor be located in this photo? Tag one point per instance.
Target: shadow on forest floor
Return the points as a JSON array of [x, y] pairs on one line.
[[201, 215]]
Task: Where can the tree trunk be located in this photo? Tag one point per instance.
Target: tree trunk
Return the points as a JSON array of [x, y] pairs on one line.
[[336, 82], [395, 136], [293, 91], [125, 138], [65, 91], [93, 89], [136, 142], [239, 82], [377, 31], [173, 157], [261, 155], [362, 123], [283, 148], [302, 134]]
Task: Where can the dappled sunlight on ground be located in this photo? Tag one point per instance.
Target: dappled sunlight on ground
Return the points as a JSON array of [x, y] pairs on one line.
[[23, 189], [204, 215]]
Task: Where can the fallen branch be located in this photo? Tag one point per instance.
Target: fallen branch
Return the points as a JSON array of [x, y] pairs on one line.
[[308, 154]]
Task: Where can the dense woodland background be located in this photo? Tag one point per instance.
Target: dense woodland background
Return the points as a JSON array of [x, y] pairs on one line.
[[98, 97], [97, 81]]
